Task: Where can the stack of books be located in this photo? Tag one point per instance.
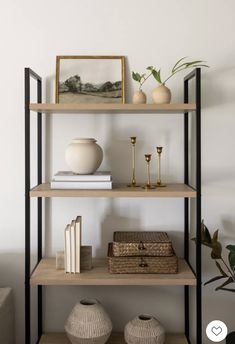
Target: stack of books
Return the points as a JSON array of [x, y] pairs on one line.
[[69, 180], [72, 248]]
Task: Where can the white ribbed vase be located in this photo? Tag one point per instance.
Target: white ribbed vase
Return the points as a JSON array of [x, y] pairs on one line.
[[144, 329], [88, 323]]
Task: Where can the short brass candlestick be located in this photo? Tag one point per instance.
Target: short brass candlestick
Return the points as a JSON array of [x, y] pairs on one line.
[[148, 185], [133, 182], [159, 182]]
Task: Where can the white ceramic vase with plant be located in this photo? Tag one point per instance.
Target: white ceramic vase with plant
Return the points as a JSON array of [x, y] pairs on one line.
[[162, 94], [139, 97]]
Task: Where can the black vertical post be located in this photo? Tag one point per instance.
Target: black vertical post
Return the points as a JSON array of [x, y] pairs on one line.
[[29, 73], [39, 181], [198, 205], [27, 206], [186, 210]]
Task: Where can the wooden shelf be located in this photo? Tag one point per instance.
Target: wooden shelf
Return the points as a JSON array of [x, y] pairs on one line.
[[116, 338], [46, 274], [132, 108], [119, 190]]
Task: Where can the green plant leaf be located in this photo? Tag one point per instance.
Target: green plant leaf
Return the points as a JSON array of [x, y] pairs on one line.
[[150, 68], [173, 69], [215, 236], [136, 76], [229, 280], [228, 289], [231, 258], [220, 269], [205, 234], [231, 248], [156, 75], [216, 250], [214, 279]]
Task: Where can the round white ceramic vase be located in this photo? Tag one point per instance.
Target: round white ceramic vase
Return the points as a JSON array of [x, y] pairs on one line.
[[88, 323], [139, 97], [144, 329], [161, 95], [83, 156]]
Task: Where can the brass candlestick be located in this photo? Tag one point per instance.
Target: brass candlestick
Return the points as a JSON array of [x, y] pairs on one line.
[[159, 182], [133, 182], [148, 185]]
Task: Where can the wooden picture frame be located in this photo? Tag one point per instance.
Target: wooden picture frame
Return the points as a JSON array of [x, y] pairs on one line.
[[90, 79]]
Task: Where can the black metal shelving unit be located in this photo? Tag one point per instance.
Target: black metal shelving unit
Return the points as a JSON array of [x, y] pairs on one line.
[[194, 75]]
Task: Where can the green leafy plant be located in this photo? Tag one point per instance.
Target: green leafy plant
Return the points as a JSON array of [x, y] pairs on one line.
[[179, 66], [227, 270], [140, 78]]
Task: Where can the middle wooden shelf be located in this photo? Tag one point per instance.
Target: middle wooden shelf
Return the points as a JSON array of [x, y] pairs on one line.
[[46, 274], [119, 190]]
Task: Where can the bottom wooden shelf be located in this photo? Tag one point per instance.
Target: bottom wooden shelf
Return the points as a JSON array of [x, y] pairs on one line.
[[116, 338]]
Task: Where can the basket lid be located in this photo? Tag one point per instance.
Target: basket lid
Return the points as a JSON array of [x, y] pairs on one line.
[[143, 236]]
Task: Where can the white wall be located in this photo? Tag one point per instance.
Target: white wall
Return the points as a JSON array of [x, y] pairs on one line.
[[149, 33]]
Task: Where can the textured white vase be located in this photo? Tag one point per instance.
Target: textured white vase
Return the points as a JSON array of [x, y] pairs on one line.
[[83, 156], [139, 97], [88, 323], [144, 329], [161, 95]]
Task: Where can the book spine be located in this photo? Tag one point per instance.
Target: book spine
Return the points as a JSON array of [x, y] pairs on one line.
[[78, 228], [82, 178], [82, 185], [73, 249], [67, 250]]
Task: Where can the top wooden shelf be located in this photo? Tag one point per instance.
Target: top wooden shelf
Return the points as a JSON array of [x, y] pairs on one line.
[[130, 108]]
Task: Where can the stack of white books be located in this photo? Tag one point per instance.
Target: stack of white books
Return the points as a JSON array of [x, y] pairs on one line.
[[69, 180], [72, 247]]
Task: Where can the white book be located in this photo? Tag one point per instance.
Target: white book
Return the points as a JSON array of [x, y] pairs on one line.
[[78, 232], [68, 176], [67, 249], [81, 185], [72, 245]]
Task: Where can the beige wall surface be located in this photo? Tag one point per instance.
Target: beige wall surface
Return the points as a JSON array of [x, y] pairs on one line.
[[149, 32]]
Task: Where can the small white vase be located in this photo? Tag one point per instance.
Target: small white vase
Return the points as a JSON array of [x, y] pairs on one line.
[[139, 97], [144, 329], [83, 156], [88, 323], [161, 95]]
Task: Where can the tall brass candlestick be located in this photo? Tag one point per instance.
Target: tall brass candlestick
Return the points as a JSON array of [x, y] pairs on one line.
[[148, 184], [133, 182], [159, 152]]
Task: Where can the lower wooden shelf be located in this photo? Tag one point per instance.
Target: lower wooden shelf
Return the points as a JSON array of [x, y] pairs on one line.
[[116, 338], [46, 274]]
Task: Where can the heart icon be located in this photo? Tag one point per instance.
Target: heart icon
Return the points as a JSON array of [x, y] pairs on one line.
[[216, 330]]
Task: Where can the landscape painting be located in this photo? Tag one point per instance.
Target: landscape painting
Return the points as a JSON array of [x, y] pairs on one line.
[[90, 79]]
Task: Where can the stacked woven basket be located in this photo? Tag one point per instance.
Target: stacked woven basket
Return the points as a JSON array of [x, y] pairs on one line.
[[141, 252]]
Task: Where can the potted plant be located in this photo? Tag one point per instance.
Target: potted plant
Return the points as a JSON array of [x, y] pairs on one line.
[[139, 96], [162, 94], [226, 268]]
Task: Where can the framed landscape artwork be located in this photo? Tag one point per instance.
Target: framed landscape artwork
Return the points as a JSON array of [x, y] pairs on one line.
[[90, 79]]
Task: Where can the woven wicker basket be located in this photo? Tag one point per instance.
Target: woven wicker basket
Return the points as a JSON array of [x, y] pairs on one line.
[[141, 265], [142, 244]]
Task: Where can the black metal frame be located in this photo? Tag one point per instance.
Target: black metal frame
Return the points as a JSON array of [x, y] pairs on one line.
[[195, 74], [28, 75]]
